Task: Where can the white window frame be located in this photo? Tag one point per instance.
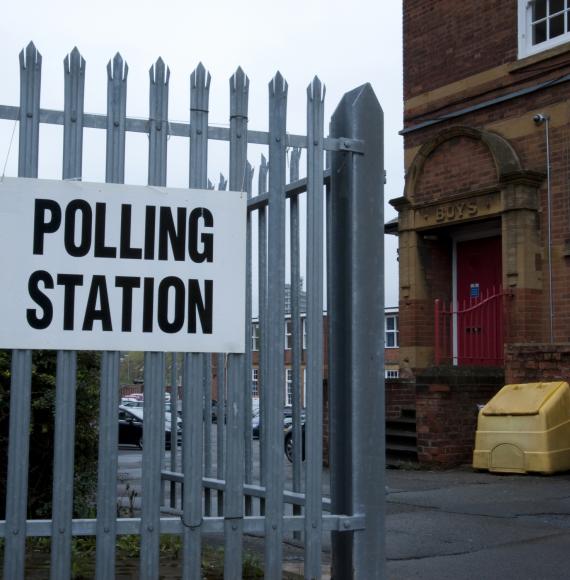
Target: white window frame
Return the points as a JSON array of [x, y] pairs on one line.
[[288, 387], [395, 331], [526, 48], [288, 334], [255, 383], [391, 374], [255, 337]]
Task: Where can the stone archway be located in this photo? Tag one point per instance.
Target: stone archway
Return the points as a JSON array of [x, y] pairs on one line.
[[505, 158], [461, 176]]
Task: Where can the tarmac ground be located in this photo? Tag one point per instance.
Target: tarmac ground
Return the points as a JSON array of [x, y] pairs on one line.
[[465, 525], [461, 525]]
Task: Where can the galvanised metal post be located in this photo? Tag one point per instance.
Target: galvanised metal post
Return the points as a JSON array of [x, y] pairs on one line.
[[117, 72], [193, 404], [21, 366], [64, 438], [154, 362], [356, 306], [296, 326], [273, 385], [236, 379], [314, 322]]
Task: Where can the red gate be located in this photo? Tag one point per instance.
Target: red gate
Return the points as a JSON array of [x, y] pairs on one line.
[[471, 334]]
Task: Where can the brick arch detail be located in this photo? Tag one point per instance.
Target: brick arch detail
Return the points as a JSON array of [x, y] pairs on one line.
[[504, 157]]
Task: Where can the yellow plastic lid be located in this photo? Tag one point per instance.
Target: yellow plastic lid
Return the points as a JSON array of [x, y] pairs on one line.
[[523, 399]]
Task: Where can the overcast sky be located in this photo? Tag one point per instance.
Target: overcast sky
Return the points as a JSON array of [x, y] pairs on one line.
[[345, 44]]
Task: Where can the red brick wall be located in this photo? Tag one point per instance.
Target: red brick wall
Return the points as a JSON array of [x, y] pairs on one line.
[[530, 363], [391, 355], [446, 412], [472, 169], [400, 394], [448, 40]]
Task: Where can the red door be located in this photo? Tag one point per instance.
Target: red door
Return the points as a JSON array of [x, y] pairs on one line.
[[479, 320]]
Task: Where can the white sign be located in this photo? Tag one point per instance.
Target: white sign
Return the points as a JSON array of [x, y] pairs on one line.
[[89, 266]]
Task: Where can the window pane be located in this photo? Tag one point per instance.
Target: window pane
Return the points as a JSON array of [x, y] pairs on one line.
[[556, 26], [390, 323], [539, 32], [555, 6], [538, 10], [390, 342]]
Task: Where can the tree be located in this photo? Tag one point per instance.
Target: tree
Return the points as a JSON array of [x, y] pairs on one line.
[[42, 432]]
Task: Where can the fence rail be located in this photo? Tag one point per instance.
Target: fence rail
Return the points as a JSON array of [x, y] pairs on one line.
[[353, 206], [471, 334]]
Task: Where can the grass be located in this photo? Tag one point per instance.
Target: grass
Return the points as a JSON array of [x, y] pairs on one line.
[[127, 558]]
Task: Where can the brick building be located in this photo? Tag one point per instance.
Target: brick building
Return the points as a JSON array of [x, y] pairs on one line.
[[485, 215], [391, 353]]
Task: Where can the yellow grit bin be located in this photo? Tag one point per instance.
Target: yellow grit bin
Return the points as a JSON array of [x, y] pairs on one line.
[[525, 428]]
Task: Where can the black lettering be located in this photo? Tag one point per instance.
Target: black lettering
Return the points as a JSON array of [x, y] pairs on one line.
[[197, 304], [127, 251], [69, 282], [162, 308], [207, 252], [98, 292], [127, 283], [101, 250], [35, 321], [41, 226], [148, 304], [75, 206], [149, 232], [167, 231]]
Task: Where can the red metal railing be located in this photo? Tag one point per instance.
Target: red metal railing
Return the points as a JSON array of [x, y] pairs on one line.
[[471, 334]]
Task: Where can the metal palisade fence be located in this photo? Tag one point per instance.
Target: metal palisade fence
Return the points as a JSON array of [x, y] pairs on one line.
[[343, 210]]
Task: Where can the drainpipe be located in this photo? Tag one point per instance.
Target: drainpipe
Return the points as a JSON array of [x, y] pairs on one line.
[[539, 119]]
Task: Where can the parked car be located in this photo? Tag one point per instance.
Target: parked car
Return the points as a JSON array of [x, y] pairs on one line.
[[287, 430], [133, 400], [288, 443], [131, 427]]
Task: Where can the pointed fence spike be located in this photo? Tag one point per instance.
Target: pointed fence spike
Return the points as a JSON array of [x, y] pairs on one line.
[[200, 77], [159, 73], [30, 56], [278, 85], [74, 62], [239, 80], [117, 68], [316, 90]]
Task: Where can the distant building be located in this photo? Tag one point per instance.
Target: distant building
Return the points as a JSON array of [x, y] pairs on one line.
[[302, 299], [391, 368]]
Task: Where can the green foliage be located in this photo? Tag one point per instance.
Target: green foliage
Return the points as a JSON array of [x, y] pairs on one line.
[[83, 551], [42, 432]]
